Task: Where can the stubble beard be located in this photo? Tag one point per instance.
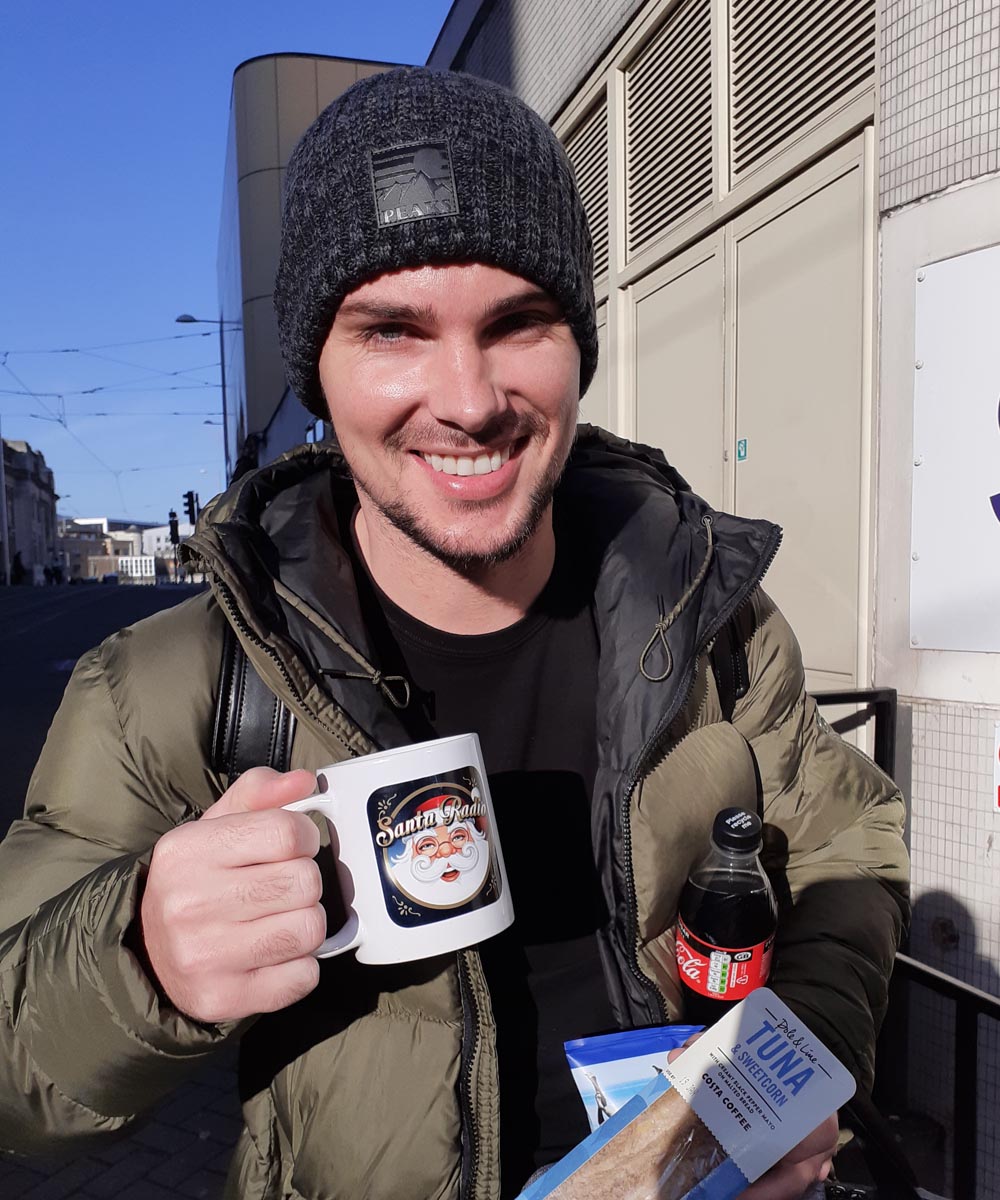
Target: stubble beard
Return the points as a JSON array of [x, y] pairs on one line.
[[508, 544]]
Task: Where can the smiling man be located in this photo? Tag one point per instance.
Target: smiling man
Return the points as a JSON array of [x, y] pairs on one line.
[[463, 557]]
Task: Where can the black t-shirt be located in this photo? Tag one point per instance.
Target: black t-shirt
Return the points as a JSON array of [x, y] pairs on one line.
[[529, 692]]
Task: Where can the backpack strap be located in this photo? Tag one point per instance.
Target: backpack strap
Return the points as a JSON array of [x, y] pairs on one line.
[[729, 666], [252, 728]]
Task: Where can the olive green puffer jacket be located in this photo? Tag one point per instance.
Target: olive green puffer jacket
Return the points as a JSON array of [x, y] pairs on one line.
[[382, 1083]]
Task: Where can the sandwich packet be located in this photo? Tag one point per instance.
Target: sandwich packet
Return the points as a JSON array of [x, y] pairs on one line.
[[728, 1108], [613, 1067]]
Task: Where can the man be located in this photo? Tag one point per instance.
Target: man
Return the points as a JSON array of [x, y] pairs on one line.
[[457, 563]]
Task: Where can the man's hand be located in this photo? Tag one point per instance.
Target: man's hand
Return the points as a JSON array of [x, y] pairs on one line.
[[805, 1164], [230, 914]]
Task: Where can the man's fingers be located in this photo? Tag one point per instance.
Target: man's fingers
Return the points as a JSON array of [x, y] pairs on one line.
[[267, 989], [262, 837], [261, 788], [690, 1041], [787, 1180], [284, 937], [822, 1142], [805, 1164], [236, 840], [277, 987], [263, 889]]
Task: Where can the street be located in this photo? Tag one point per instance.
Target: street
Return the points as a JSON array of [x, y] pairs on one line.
[[182, 1151], [43, 631]]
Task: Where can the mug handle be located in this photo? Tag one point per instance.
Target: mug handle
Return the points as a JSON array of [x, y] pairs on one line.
[[348, 937]]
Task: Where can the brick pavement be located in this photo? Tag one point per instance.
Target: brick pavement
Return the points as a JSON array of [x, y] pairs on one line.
[[180, 1153]]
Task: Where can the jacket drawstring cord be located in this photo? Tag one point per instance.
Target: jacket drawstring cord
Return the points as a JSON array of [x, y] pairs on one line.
[[663, 623], [384, 683]]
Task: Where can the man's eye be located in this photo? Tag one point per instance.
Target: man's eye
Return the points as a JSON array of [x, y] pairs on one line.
[[521, 322], [384, 333]]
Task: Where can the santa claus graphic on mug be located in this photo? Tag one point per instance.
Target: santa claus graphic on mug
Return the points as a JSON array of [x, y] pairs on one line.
[[446, 860]]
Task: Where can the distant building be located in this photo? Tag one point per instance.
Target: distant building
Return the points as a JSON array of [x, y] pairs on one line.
[[31, 512], [89, 547], [274, 100], [156, 539], [156, 542]]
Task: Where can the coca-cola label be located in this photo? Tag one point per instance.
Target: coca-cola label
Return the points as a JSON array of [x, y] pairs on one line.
[[719, 972]]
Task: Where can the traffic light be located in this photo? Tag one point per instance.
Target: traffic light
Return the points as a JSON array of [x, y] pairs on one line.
[[175, 536], [189, 507]]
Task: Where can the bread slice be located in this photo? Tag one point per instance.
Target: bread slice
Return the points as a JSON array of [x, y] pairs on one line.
[[660, 1155]]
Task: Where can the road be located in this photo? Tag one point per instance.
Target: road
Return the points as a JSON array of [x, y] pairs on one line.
[[182, 1150], [43, 631]]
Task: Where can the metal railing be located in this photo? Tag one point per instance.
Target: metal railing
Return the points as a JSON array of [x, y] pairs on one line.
[[970, 1003], [879, 703]]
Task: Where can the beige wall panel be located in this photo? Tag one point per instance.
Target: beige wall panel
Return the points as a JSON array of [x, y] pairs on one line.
[[799, 393], [366, 69], [259, 116], [679, 354], [595, 406], [332, 78], [296, 81], [260, 231]]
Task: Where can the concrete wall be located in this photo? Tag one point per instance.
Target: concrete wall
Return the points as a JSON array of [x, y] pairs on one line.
[[940, 96], [940, 197], [543, 52]]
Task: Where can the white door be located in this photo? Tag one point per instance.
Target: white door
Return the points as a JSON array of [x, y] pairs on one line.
[[677, 318], [801, 401]]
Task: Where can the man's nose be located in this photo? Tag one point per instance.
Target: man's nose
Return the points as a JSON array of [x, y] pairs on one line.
[[464, 390], [445, 849]]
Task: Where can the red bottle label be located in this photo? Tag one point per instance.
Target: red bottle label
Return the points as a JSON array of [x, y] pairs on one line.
[[719, 972]]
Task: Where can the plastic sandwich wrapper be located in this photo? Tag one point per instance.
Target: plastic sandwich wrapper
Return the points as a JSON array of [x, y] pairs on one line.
[[723, 1112]]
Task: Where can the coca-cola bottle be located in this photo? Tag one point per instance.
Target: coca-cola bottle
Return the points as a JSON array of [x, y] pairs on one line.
[[726, 921]]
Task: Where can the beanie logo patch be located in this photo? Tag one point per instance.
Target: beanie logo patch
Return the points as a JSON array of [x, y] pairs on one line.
[[413, 182]]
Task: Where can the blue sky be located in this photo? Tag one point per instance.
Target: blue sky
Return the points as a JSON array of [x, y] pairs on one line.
[[113, 119]]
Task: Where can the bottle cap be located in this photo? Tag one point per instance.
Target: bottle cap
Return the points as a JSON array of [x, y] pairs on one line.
[[737, 829]]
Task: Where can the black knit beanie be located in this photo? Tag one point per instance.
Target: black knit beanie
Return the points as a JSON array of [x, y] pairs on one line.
[[413, 166]]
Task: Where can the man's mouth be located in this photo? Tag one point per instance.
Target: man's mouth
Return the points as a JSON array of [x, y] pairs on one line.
[[450, 876], [465, 464]]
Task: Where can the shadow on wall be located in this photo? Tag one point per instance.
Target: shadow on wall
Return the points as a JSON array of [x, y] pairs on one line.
[[943, 935]]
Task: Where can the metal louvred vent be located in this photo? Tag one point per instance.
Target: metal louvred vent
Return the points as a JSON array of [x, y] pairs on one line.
[[587, 148], [791, 62], [668, 137]]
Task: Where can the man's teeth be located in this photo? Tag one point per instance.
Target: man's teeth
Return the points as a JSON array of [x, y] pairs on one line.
[[482, 464]]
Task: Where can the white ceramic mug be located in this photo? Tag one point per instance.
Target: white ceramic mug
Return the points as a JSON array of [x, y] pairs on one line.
[[418, 859]]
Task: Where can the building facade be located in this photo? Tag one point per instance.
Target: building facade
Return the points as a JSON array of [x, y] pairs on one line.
[[274, 100], [796, 215], [30, 499], [92, 547]]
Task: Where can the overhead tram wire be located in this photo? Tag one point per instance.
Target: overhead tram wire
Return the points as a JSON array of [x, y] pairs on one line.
[[147, 413], [61, 420], [105, 388], [113, 345]]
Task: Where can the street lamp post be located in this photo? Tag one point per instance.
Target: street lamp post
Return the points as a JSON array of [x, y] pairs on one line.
[[187, 319]]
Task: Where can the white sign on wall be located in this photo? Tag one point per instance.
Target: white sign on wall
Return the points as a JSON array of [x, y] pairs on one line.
[[955, 529]]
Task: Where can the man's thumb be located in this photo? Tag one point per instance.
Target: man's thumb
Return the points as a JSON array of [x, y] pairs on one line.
[[262, 787]]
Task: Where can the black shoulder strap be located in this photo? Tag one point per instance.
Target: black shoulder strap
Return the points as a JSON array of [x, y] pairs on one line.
[[729, 665], [253, 728]]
